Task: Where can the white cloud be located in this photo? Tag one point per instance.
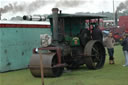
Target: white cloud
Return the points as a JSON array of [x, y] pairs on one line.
[[87, 6]]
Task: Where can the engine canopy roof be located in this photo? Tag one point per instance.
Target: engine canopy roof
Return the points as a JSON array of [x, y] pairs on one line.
[[85, 16]]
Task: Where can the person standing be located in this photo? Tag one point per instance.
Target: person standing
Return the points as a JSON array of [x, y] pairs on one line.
[[125, 49], [97, 33], [109, 43]]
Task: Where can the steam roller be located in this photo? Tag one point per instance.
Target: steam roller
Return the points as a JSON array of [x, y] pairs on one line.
[[71, 45], [49, 65]]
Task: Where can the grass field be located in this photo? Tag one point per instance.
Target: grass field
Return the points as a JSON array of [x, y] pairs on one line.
[[108, 75]]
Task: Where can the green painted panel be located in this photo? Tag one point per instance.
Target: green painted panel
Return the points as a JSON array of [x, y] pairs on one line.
[[73, 26], [16, 46]]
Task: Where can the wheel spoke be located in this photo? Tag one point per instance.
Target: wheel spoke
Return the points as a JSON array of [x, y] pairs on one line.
[[96, 55]]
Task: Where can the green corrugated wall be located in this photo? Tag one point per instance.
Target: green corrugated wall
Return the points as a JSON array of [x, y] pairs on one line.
[[16, 46]]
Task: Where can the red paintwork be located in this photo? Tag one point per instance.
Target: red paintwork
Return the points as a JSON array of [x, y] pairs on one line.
[[95, 21], [24, 26], [123, 22]]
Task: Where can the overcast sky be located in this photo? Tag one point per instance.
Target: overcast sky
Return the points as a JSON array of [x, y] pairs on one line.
[[67, 6]]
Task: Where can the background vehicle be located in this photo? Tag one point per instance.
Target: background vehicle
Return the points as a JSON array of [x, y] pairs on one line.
[[119, 30]]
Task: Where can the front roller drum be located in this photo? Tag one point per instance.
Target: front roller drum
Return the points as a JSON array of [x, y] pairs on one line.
[[49, 60]]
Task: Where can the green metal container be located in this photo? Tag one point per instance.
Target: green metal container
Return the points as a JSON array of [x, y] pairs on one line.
[[17, 42]]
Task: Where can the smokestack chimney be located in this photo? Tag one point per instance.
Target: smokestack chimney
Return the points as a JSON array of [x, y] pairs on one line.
[[0, 16], [55, 23], [116, 18]]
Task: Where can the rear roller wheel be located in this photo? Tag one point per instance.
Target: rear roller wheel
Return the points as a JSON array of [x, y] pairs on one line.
[[94, 54]]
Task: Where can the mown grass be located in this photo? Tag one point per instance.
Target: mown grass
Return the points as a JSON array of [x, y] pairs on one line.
[[108, 75]]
